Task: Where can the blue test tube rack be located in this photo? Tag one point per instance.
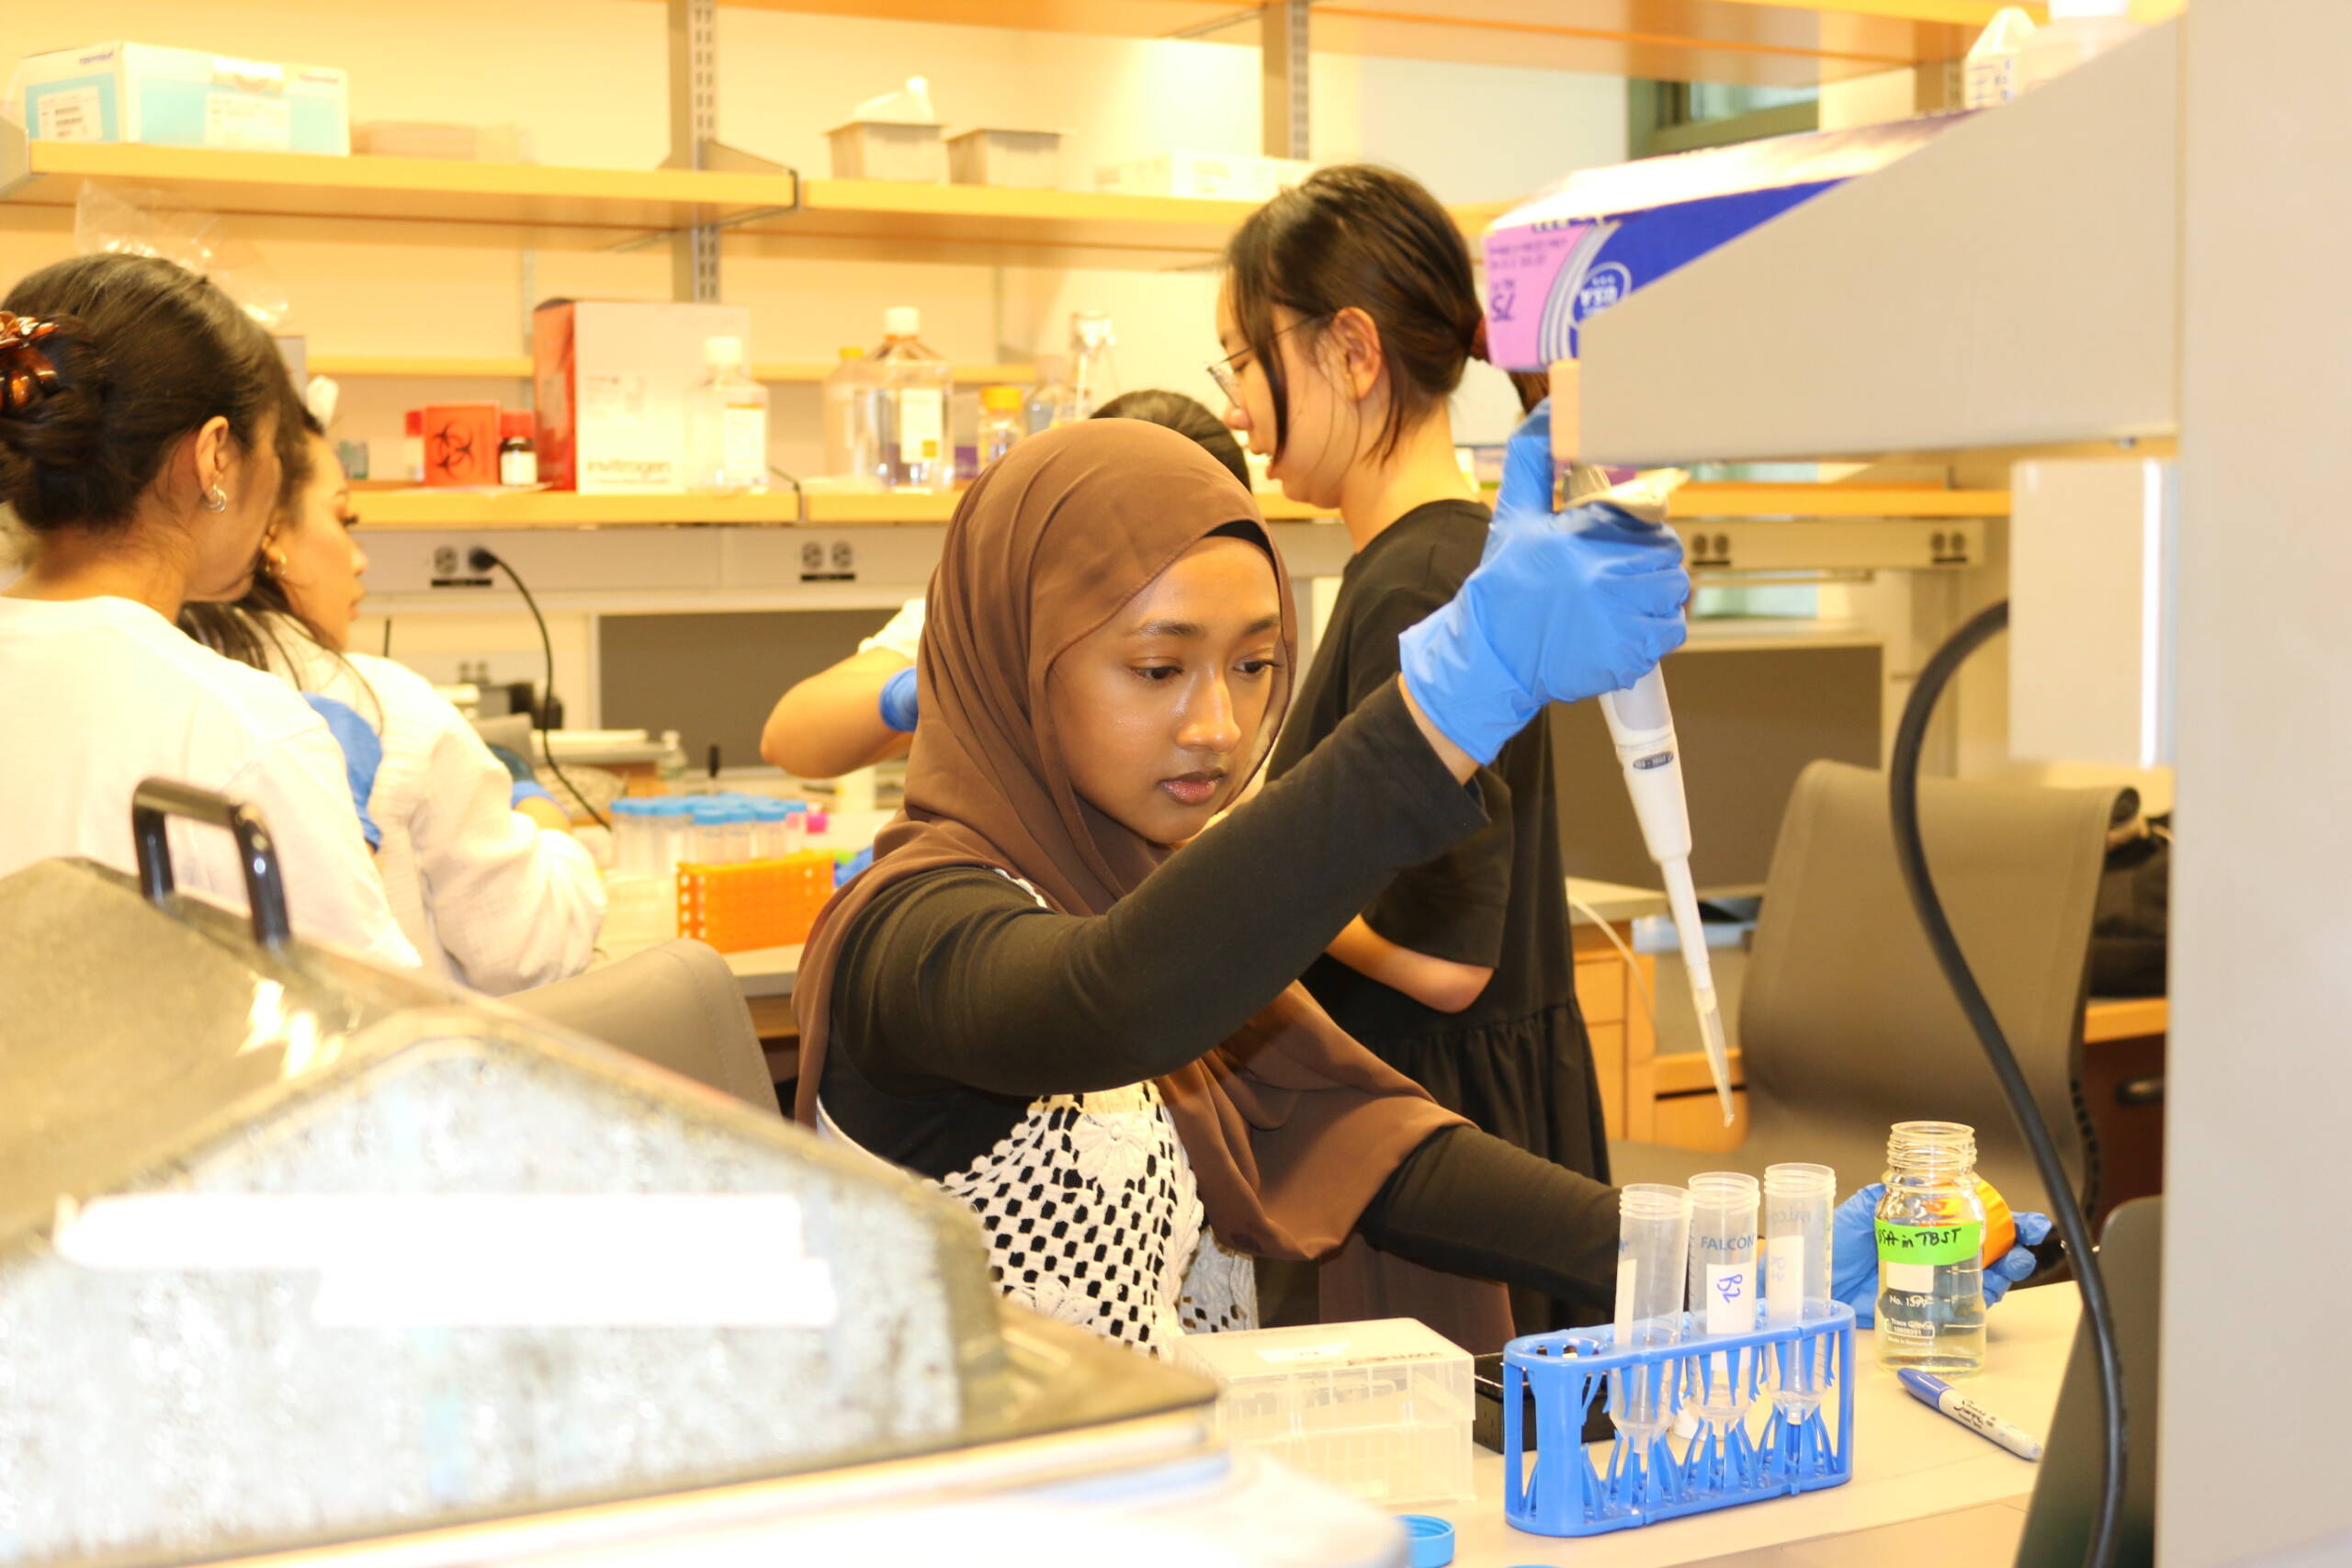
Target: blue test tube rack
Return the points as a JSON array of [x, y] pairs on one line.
[[1554, 1484]]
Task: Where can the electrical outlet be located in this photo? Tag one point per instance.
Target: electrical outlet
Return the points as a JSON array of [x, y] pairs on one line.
[[451, 569], [828, 561]]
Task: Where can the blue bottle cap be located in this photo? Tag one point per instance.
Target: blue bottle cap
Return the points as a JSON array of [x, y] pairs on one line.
[[1429, 1538], [769, 810]]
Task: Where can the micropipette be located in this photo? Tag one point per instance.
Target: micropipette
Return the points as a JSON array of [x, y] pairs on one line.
[[1641, 726]]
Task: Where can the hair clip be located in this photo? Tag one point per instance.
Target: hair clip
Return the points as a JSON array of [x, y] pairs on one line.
[[25, 371]]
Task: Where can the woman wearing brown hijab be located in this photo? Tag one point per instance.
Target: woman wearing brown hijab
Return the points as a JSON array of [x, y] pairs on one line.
[[1101, 1047]]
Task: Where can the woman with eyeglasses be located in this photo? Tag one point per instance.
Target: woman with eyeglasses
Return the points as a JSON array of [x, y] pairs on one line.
[[1347, 316]]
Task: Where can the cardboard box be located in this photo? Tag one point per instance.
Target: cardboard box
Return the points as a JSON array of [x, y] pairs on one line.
[[613, 377], [461, 444], [1562, 257], [182, 97], [1220, 176]]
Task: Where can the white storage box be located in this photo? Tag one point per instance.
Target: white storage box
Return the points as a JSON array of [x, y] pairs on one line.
[[1016, 160], [182, 97], [1222, 176], [1380, 1409], [888, 150]]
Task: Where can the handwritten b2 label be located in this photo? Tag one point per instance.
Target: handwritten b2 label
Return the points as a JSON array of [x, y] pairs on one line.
[[1731, 1298]]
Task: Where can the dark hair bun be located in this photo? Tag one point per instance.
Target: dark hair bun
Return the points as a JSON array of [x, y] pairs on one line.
[[50, 445], [145, 352]]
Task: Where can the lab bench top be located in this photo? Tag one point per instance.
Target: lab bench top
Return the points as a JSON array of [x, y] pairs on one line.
[[1910, 1464], [770, 971]]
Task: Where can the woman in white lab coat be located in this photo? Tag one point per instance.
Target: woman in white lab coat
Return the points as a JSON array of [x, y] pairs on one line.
[[145, 428], [483, 873]]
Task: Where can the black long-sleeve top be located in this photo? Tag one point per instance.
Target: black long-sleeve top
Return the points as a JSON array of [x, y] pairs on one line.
[[958, 1000]]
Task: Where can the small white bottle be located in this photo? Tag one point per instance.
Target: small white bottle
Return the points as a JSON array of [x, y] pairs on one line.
[[2078, 30], [1992, 68], [727, 424]]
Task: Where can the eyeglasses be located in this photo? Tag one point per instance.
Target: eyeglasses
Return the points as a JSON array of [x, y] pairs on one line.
[[1227, 373]]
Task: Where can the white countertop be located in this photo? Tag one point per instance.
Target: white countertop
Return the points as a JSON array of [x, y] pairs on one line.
[[1909, 1463]]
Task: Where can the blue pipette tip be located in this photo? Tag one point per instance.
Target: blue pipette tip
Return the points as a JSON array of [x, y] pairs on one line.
[[1429, 1538]]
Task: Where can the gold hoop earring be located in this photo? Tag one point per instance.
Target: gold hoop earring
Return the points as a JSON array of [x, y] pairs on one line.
[[216, 498]]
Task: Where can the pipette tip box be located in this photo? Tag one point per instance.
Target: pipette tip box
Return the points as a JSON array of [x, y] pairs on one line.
[[1380, 1409]]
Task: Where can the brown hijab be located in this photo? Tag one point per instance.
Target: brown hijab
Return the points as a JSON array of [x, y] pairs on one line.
[[1291, 1126]]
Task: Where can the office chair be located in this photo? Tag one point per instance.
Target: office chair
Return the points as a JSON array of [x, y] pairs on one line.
[[1846, 1024], [677, 1005]]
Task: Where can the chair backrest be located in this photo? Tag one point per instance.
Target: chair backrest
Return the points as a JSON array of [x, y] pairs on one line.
[[1846, 1021], [677, 1005]]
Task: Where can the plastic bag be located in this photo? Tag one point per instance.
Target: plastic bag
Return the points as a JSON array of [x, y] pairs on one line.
[[144, 224]]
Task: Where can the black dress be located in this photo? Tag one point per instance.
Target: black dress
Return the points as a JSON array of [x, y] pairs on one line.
[[1517, 1061]]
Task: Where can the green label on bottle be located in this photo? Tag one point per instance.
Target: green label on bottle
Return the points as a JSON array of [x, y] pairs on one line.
[[1931, 1244]]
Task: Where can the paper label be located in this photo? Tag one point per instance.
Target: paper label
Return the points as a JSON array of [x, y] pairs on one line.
[[1910, 1278], [1629, 1273], [713, 1259], [1330, 1352], [922, 426], [74, 116], [1731, 1298], [1784, 1280], [237, 119], [1934, 1245], [743, 441]]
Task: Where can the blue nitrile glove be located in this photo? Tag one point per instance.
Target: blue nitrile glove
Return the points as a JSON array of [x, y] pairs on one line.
[[899, 699], [529, 789], [1564, 606], [2016, 1266], [1853, 1243], [363, 753]]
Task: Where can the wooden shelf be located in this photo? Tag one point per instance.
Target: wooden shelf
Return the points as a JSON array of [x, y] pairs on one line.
[[413, 509], [541, 204], [435, 509], [1695, 502], [984, 224], [580, 206], [1757, 42], [517, 367]]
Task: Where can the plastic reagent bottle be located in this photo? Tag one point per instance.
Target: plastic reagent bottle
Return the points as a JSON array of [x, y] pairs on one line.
[[1992, 71], [852, 451], [1930, 1234], [1001, 423], [2078, 30], [727, 427], [1094, 379], [911, 386], [1049, 401]]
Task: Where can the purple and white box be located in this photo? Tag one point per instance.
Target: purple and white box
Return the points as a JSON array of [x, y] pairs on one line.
[[1564, 257]]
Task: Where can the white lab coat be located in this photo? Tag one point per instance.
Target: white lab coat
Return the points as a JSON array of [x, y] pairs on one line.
[[98, 694], [490, 899]]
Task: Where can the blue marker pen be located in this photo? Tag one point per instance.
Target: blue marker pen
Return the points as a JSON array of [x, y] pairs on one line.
[[1930, 1390]]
